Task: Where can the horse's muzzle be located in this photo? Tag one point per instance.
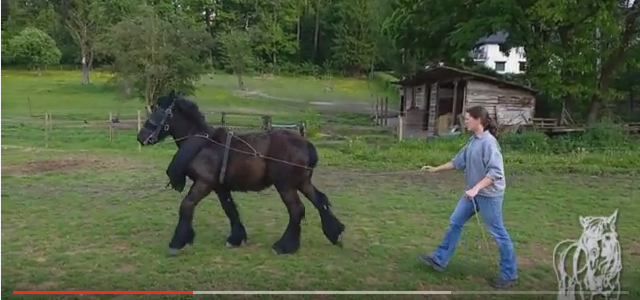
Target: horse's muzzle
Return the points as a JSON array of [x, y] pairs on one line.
[[147, 137]]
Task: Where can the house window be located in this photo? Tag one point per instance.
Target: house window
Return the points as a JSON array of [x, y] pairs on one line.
[[500, 66], [522, 66]]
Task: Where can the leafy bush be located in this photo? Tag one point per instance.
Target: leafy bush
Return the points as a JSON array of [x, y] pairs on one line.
[[34, 48], [596, 152], [601, 136]]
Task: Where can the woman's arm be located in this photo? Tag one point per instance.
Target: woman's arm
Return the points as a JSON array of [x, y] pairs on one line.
[[494, 165], [458, 162]]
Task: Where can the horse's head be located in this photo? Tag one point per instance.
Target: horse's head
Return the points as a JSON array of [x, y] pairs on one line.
[[171, 115], [600, 242]]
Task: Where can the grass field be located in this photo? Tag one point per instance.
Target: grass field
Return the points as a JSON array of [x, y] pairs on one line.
[[85, 214]]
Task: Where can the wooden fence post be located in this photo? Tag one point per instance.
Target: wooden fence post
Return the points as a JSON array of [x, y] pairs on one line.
[[267, 123], [303, 128], [223, 119], [400, 127], [385, 121], [110, 128], [377, 106], [50, 125], [375, 111], [46, 130], [139, 127]]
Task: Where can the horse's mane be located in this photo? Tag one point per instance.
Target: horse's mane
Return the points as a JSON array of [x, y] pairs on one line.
[[192, 111]]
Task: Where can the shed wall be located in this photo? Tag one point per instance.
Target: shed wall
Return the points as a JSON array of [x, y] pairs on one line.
[[507, 106]]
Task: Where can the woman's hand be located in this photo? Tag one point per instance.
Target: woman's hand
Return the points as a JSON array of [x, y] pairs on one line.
[[471, 193], [429, 169]]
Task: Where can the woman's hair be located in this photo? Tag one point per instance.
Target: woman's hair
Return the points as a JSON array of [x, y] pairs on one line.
[[481, 113]]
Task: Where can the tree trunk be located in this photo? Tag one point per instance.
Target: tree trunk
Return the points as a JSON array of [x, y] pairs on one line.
[[298, 33], [316, 33], [128, 89], [86, 65], [240, 80]]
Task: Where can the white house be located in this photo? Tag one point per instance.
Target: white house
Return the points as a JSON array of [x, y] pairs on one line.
[[487, 52]]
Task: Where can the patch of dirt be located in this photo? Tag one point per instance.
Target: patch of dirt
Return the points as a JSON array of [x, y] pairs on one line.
[[40, 286], [259, 94], [126, 124], [127, 268], [635, 249], [62, 164], [123, 124]]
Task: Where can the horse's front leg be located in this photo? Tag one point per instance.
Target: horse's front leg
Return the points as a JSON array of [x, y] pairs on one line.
[[289, 243], [184, 233], [238, 233]]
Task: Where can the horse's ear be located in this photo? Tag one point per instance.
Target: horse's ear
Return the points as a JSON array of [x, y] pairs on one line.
[[584, 222], [612, 219], [172, 94]]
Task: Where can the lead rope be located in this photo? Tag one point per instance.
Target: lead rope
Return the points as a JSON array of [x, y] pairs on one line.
[[255, 153], [465, 242], [476, 211]]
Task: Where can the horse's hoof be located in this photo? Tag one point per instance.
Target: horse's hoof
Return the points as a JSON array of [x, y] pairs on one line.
[[337, 238], [232, 245], [280, 248], [173, 252], [233, 242], [192, 237]]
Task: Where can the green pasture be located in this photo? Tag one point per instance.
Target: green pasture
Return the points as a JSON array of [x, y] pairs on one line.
[[61, 94], [87, 213]]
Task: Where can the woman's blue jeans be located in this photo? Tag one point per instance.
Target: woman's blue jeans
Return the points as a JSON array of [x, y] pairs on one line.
[[490, 209]]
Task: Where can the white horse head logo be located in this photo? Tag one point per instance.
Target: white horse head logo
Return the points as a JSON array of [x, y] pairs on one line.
[[595, 261]]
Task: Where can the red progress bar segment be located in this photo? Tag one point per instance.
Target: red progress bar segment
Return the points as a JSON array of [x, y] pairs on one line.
[[102, 292]]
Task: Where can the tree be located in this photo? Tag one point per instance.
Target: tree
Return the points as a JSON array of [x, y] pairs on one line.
[[274, 34], [6, 55], [354, 40], [83, 19], [238, 52], [565, 57], [34, 48], [157, 54]]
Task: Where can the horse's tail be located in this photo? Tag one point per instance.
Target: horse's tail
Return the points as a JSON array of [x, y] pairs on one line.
[[565, 282], [322, 199], [313, 155]]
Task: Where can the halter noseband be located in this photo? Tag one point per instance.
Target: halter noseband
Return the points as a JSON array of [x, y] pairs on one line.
[[159, 118]]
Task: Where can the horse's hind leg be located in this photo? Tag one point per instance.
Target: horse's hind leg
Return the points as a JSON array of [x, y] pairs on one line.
[[331, 226], [238, 233], [184, 233], [290, 241]]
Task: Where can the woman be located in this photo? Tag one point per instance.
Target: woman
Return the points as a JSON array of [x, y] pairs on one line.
[[481, 160]]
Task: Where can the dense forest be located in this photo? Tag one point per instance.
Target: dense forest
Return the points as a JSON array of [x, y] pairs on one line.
[[585, 54]]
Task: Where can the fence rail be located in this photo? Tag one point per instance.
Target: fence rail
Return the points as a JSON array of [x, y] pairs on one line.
[[114, 123]]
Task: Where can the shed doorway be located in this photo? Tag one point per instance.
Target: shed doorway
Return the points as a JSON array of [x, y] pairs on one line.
[[450, 106]]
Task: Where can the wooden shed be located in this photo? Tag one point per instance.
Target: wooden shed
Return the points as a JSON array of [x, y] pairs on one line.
[[434, 99]]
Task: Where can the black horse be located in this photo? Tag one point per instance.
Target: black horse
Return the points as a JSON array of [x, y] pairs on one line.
[[218, 160]]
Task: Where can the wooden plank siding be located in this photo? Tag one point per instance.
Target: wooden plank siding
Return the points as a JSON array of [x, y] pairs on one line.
[[408, 96], [506, 106], [433, 108], [420, 95]]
